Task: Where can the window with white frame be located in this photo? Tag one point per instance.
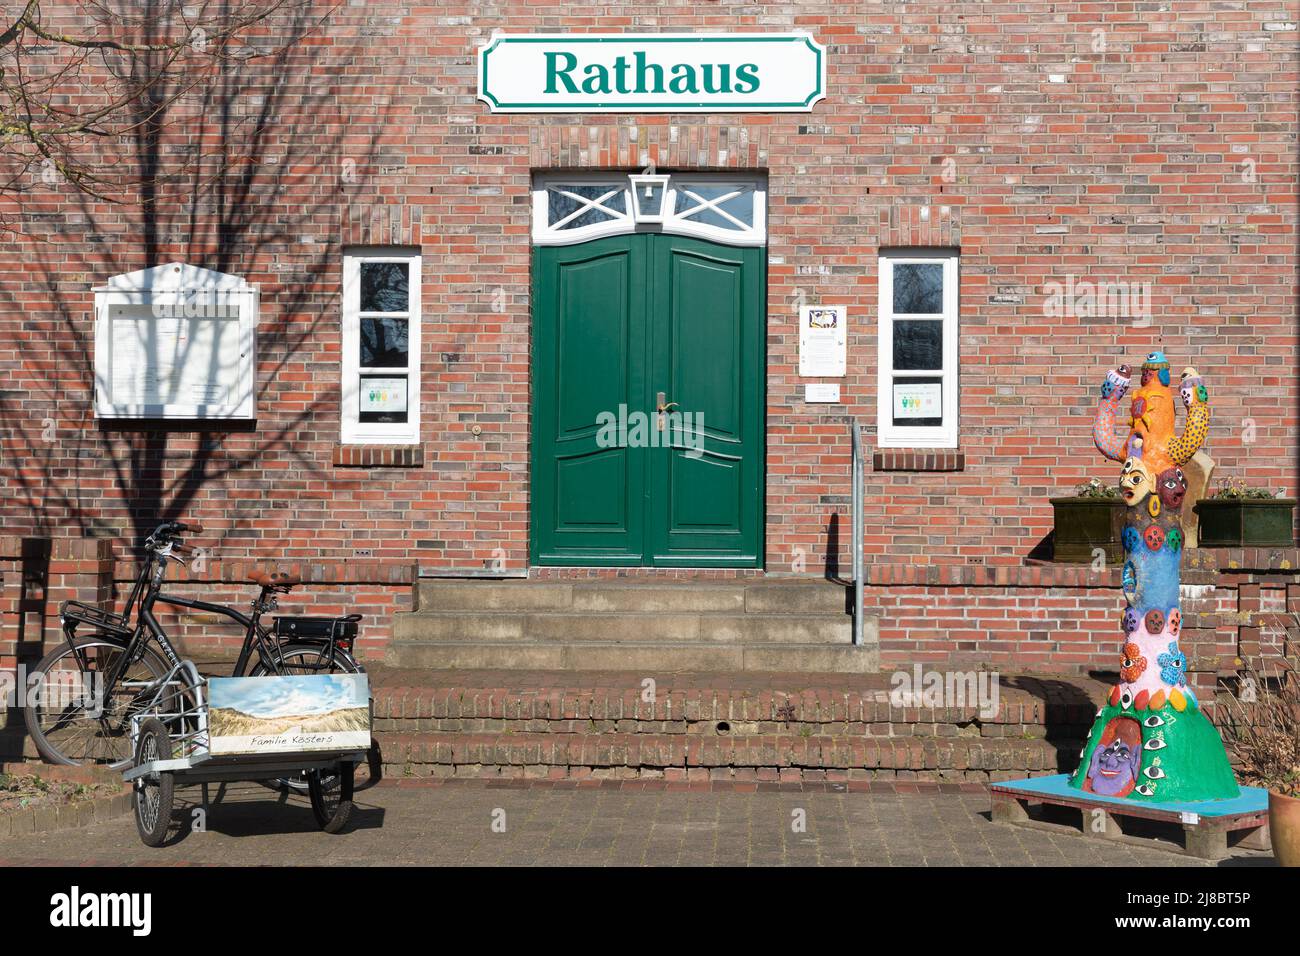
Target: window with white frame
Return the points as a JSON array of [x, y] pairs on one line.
[[724, 207], [917, 405], [381, 346]]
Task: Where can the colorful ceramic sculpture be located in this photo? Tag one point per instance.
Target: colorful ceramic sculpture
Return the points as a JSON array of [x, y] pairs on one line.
[[1151, 741]]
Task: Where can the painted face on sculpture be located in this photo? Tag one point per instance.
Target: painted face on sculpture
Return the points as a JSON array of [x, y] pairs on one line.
[[1171, 485], [1114, 768], [1135, 481], [1131, 619], [1191, 388]]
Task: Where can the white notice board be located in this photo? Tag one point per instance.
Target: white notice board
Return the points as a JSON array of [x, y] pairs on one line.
[[175, 341]]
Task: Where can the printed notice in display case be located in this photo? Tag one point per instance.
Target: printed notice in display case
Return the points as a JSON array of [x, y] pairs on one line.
[[173, 361], [175, 341], [823, 340], [918, 400]]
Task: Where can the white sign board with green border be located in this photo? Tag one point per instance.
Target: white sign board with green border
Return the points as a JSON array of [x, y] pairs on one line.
[[652, 73]]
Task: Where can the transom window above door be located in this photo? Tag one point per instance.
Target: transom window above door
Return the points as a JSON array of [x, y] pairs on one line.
[[724, 208]]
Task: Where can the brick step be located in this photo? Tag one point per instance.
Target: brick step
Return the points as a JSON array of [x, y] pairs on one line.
[[659, 657], [436, 754], [625, 627], [795, 596], [599, 702]]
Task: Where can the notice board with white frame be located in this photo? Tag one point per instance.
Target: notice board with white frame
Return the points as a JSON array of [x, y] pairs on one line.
[[175, 342]]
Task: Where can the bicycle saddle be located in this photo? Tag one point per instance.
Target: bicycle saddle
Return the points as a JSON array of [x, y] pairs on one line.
[[279, 579]]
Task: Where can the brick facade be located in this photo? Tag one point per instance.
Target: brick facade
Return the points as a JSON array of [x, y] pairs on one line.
[[1045, 140]]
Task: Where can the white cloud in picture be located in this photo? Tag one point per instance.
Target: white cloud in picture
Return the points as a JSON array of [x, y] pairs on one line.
[[297, 694]]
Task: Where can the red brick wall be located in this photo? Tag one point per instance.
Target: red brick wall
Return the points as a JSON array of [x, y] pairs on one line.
[[1133, 168]]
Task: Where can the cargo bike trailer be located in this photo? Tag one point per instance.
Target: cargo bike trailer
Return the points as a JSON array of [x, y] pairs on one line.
[[171, 745]]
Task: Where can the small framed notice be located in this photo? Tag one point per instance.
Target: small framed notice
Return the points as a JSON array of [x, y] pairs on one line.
[[821, 392], [823, 340]]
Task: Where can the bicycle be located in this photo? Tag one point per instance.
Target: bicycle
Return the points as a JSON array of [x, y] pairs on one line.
[[128, 659]]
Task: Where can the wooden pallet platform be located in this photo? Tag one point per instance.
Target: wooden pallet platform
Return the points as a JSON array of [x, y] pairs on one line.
[[1205, 825]]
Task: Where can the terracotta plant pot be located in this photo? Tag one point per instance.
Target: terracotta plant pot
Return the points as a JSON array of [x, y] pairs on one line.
[[1284, 828]]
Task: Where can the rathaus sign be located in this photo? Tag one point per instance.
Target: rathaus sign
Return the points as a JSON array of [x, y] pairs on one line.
[[652, 73]]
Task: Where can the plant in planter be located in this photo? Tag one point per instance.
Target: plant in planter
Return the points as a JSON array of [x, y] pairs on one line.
[[1091, 518], [1261, 727], [1240, 515]]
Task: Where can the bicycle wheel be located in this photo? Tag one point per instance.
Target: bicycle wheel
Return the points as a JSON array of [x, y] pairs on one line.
[[154, 794], [303, 659], [331, 797], [66, 720]]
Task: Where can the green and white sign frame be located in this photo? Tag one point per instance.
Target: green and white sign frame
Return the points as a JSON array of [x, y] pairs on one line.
[[652, 73]]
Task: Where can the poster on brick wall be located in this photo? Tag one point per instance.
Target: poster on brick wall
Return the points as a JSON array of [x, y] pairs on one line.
[[823, 340]]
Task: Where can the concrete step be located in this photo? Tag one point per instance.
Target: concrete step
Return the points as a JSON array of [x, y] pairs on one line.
[[740, 596], [647, 656], [442, 754], [459, 595], [629, 627]]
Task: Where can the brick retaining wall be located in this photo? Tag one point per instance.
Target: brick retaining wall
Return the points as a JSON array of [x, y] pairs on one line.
[[1028, 619]]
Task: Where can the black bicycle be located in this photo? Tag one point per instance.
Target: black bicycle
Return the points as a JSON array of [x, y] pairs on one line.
[[86, 691]]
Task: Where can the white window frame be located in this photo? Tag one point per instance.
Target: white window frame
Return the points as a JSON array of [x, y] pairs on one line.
[[889, 435], [354, 431], [545, 234]]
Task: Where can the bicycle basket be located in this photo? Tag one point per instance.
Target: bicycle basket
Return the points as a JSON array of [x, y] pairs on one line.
[[342, 630]]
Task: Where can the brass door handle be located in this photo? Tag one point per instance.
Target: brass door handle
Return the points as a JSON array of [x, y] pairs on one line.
[[661, 405]]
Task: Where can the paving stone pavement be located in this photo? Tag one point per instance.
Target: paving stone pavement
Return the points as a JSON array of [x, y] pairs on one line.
[[453, 824]]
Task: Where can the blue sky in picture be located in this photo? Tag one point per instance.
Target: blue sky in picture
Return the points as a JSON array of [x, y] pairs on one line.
[[283, 696]]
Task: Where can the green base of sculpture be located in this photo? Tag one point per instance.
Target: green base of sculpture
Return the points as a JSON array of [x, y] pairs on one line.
[[1182, 757]]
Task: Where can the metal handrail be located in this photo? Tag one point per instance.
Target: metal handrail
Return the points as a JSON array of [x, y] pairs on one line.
[[855, 430]]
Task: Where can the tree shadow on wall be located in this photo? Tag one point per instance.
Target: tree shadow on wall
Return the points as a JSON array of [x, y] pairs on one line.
[[228, 170]]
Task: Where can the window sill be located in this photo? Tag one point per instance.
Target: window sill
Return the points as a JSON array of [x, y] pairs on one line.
[[918, 459], [378, 456]]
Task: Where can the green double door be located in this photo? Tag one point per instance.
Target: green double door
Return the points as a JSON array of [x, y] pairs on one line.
[[622, 327]]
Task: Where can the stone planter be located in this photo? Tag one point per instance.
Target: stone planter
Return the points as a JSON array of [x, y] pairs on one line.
[[1082, 525], [1284, 828], [1245, 522]]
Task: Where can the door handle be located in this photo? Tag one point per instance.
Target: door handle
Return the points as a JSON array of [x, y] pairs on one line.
[[662, 406]]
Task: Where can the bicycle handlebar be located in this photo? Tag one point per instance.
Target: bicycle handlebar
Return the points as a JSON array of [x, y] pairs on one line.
[[167, 532]]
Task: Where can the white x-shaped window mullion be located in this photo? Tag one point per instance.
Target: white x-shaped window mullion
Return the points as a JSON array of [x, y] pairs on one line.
[[588, 204], [713, 204]]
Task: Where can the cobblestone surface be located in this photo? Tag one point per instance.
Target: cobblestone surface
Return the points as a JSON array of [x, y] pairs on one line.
[[453, 824]]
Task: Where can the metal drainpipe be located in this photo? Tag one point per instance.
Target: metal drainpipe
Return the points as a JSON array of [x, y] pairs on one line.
[[857, 533]]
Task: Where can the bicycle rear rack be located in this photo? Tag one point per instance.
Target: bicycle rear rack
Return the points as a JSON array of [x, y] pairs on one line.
[[78, 613]]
